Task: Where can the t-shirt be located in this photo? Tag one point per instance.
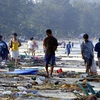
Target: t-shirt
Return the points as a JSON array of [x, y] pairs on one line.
[[30, 44], [68, 46], [3, 49], [1, 46], [87, 49], [97, 49], [50, 44], [15, 45]]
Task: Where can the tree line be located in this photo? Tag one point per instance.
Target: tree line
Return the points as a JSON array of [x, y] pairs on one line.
[[65, 18]]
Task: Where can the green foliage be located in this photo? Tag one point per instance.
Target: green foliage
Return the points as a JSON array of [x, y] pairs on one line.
[[29, 18]]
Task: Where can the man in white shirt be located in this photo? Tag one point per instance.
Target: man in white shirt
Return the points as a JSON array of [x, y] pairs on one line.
[[30, 46]]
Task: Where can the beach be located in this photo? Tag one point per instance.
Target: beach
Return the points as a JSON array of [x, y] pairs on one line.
[[48, 90]]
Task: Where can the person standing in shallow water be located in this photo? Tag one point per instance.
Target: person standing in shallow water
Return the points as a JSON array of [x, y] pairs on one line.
[[97, 49], [50, 44], [87, 53]]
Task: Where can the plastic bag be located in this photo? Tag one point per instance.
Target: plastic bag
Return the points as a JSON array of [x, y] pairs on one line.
[[93, 67]]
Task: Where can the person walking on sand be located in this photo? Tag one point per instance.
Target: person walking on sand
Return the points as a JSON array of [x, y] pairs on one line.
[[87, 53], [97, 49], [30, 47], [68, 48], [72, 44], [50, 44], [14, 47]]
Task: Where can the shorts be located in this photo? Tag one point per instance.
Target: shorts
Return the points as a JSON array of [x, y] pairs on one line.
[[88, 61], [14, 54], [68, 51], [50, 59], [31, 50], [5, 55]]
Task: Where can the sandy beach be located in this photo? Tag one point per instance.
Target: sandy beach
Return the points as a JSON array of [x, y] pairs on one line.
[[72, 63], [49, 91]]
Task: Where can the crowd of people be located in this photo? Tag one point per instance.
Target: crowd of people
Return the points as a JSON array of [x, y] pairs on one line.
[[12, 48], [50, 45], [87, 51]]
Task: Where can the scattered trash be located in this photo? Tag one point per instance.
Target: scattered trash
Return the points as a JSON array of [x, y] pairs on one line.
[[57, 82], [3, 63], [31, 97], [85, 81], [23, 63], [70, 87], [59, 70], [34, 83], [32, 91], [42, 78], [20, 94], [36, 57], [33, 78], [28, 85], [39, 81], [7, 93], [83, 75], [25, 72], [21, 88]]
